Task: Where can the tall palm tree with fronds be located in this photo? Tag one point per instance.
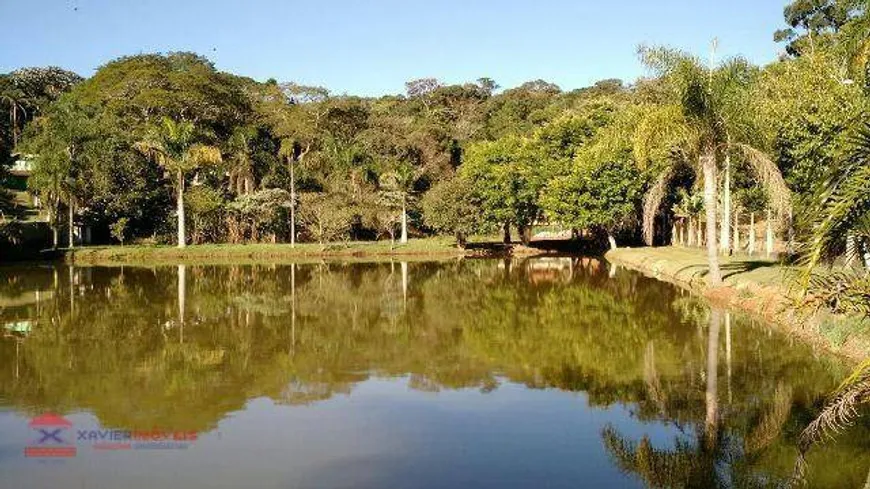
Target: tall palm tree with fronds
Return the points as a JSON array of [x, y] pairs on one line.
[[171, 145], [241, 171], [293, 152], [706, 108], [16, 101]]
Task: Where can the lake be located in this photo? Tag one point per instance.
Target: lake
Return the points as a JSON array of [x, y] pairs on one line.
[[551, 372]]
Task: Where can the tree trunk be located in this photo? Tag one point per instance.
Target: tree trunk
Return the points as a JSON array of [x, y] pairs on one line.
[[52, 219], [699, 234], [71, 226], [712, 390], [182, 294], [751, 233], [525, 233], [683, 232], [726, 207], [460, 239], [708, 164], [736, 230], [404, 265], [292, 206], [507, 233], [180, 209], [14, 124], [690, 241], [769, 241], [404, 238], [611, 240]]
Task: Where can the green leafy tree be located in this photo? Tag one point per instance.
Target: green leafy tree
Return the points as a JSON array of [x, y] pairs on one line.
[[262, 213], [62, 142], [506, 177], [326, 216], [119, 229], [603, 195], [813, 23], [450, 207], [207, 209]]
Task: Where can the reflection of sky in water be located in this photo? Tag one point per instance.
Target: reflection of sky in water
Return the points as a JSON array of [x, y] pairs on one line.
[[382, 435]]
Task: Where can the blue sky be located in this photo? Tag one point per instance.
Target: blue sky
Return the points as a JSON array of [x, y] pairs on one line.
[[373, 47]]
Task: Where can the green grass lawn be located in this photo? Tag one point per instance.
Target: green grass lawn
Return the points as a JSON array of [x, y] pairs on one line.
[[690, 265], [437, 246]]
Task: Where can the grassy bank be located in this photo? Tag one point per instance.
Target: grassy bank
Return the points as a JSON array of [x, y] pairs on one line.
[[240, 253], [760, 286]]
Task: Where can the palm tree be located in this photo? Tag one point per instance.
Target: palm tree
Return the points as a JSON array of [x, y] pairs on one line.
[[841, 208], [293, 152], [398, 185], [15, 99], [171, 145], [840, 212], [242, 170], [839, 413], [704, 118]]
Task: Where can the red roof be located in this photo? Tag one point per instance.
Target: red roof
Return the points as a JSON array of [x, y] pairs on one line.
[[49, 419]]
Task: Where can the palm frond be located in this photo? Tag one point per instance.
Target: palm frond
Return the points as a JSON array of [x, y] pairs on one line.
[[778, 194], [842, 203], [660, 131], [202, 155], [843, 292], [652, 201], [838, 414]]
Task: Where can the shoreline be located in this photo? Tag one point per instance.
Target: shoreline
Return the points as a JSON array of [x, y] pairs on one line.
[[756, 286], [259, 253]]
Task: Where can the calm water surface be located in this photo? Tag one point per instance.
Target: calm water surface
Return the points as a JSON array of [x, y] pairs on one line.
[[558, 372]]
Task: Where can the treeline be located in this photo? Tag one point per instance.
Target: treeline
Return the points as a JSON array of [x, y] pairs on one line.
[[119, 150], [166, 148]]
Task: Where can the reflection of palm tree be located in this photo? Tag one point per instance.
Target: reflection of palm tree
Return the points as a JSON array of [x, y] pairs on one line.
[[651, 377], [182, 292], [711, 423], [769, 428], [687, 464], [404, 265]]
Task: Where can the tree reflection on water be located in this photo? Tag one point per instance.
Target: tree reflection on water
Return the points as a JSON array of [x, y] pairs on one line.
[[181, 347]]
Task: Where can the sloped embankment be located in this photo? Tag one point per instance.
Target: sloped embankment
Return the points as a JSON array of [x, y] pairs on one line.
[[757, 285]]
